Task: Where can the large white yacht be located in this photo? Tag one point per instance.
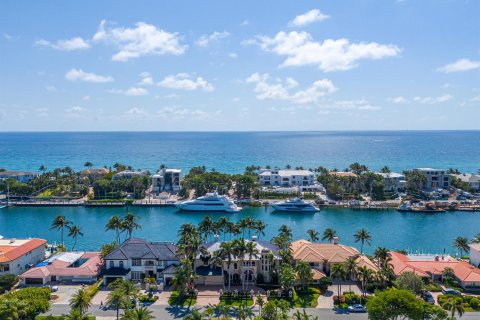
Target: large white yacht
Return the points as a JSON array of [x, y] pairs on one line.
[[209, 202], [295, 205]]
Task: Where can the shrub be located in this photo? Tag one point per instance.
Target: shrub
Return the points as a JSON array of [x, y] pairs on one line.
[[324, 283], [7, 282], [474, 303]]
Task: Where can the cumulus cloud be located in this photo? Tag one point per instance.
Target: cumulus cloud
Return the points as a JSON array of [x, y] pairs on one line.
[[459, 66], [132, 91], [80, 75], [206, 39], [72, 44], [358, 104], [142, 40], [329, 55], [433, 100], [147, 79], [308, 17], [185, 81], [398, 100], [282, 89]]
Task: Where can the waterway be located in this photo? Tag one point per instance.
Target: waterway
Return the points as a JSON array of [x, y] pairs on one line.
[[418, 232]]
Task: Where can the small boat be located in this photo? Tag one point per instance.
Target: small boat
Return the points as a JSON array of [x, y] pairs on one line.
[[2, 207], [209, 202], [295, 205], [428, 208]]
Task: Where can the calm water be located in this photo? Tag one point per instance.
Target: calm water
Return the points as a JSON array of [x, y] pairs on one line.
[[427, 232], [231, 152]]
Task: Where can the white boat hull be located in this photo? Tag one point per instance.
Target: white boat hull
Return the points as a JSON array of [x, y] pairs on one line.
[[202, 208], [293, 209]]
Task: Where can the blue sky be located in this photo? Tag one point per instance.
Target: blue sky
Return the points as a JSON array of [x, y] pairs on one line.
[[244, 65]]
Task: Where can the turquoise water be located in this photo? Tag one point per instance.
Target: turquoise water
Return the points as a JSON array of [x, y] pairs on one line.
[[233, 151], [426, 232]]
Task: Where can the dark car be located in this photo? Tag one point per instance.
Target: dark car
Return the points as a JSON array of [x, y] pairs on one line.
[[428, 297], [451, 291]]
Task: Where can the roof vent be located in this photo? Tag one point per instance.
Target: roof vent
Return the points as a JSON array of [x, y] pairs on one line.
[[254, 238], [335, 240]]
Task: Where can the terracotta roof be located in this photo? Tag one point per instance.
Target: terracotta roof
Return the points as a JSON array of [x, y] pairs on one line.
[[59, 267], [11, 250], [463, 271], [342, 174], [317, 274]]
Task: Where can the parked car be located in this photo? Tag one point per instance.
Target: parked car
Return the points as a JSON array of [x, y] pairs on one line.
[[451, 291], [428, 297], [357, 308]]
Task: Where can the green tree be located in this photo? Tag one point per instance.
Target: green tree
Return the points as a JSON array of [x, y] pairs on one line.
[[329, 234], [115, 223], [364, 274], [252, 252], [130, 222], [88, 165], [74, 231], [382, 257], [106, 249], [338, 272], [414, 181], [476, 238], [455, 306], [461, 244], [117, 300], [81, 300], [351, 267], [304, 273], [76, 314], [410, 281], [385, 169], [286, 276], [59, 223], [303, 316], [141, 313], [362, 236], [313, 235]]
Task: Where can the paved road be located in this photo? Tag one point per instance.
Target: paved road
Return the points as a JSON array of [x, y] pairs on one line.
[[165, 312]]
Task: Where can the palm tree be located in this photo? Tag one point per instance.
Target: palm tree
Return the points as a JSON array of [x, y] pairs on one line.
[[223, 225], [116, 299], [240, 249], [385, 169], [313, 235], [364, 274], [362, 236], [461, 244], [59, 223], [73, 232], [243, 224], [42, 168], [205, 227], [304, 273], [303, 316], [88, 165], [75, 314], [455, 307], [382, 257], [285, 230], [81, 300], [194, 314], [259, 228], [115, 223], [141, 313], [130, 222], [351, 269], [338, 272], [329, 234], [227, 251], [252, 251], [476, 238]]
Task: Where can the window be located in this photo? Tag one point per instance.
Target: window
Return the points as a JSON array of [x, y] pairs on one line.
[[111, 264], [136, 262], [136, 275], [121, 264], [4, 267], [149, 263], [235, 266]]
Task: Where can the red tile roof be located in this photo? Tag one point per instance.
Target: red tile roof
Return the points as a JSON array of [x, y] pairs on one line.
[[12, 251]]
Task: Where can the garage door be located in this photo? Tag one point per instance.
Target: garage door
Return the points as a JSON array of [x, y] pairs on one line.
[[34, 281], [111, 279]]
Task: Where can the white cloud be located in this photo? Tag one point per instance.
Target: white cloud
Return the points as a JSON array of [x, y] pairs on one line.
[[308, 17], [147, 79], [75, 112], [433, 100], [79, 74], [179, 112], [185, 81], [132, 91], [359, 104], [206, 39], [72, 44], [398, 100], [233, 55], [135, 111], [281, 90], [329, 55], [460, 65], [142, 40], [245, 23], [51, 88]]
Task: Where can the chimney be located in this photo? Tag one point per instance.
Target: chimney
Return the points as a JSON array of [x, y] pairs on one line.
[[216, 237], [335, 240], [254, 238]]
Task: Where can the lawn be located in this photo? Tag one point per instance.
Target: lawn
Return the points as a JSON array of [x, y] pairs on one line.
[[184, 301], [229, 300], [307, 298]]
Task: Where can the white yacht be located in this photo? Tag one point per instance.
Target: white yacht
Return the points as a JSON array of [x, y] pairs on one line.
[[209, 202], [295, 205]]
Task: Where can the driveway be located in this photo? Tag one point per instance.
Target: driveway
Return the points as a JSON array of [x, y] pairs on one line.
[[325, 301], [65, 292]]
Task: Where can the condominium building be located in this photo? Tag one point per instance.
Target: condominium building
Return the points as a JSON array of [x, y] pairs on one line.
[[286, 178], [435, 178], [392, 181], [167, 180]]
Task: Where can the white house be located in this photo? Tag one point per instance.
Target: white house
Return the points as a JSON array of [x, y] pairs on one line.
[[304, 179], [128, 174], [18, 255], [136, 259], [392, 181], [167, 180], [473, 180], [257, 268], [20, 176], [436, 178], [475, 254]]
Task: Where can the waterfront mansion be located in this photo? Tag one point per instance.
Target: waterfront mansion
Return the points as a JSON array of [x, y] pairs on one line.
[[302, 179]]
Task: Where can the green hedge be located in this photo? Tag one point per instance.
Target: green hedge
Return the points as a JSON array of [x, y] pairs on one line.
[[59, 318]]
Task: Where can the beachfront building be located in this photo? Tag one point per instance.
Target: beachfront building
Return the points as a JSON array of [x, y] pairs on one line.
[[433, 266], [323, 256], [20, 176], [93, 174], [475, 254], [473, 180], [303, 180], [70, 267], [435, 178], [167, 180], [128, 174], [18, 255], [254, 269], [137, 259], [392, 181]]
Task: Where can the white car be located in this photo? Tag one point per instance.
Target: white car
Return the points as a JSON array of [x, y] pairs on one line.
[[357, 308]]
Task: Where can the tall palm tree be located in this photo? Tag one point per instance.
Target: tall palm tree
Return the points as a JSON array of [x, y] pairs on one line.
[[42, 168], [243, 225], [362, 236], [338, 272], [59, 223], [251, 251], [223, 225], [194, 314], [304, 273], [285, 230], [364, 274], [115, 223], [141, 313], [205, 227], [227, 251], [313, 235], [240, 249], [382, 257], [461, 244], [351, 267], [73, 232], [260, 228], [76, 314], [329, 234], [130, 222], [81, 300], [88, 165], [455, 307], [117, 300]]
